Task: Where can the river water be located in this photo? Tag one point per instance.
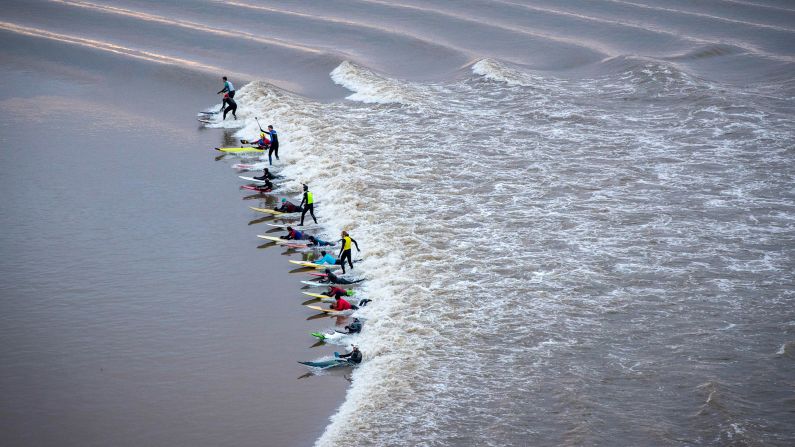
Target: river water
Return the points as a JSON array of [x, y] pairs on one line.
[[576, 218]]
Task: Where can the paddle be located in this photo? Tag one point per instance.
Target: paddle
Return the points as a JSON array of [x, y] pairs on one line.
[[258, 124]]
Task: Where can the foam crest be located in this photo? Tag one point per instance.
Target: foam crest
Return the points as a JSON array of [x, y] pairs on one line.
[[495, 71], [369, 87]]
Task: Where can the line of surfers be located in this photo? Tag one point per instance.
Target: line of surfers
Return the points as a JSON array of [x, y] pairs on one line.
[[268, 140]]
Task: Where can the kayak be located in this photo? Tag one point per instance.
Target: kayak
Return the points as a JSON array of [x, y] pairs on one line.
[[326, 364], [237, 150], [335, 338], [313, 265]]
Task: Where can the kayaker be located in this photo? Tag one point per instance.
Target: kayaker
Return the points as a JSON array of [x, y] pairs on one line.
[[231, 106], [354, 356], [315, 242], [345, 250], [293, 234], [228, 88], [308, 203], [340, 304], [354, 328], [288, 207], [263, 141], [326, 259]]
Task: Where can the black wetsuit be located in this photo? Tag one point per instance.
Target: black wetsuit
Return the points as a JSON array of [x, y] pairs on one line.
[[274, 144], [354, 356], [354, 328], [334, 279], [231, 107], [307, 207]]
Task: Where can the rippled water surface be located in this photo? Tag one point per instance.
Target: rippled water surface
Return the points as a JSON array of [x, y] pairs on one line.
[[576, 218]]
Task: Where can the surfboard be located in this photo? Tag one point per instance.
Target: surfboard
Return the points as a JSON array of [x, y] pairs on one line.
[[273, 238], [257, 188], [315, 284], [317, 295], [205, 121], [237, 150], [320, 309], [251, 179], [268, 211], [294, 224], [313, 265], [209, 113]]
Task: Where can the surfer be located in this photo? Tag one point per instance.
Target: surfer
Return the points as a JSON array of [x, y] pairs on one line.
[[288, 207], [308, 204], [315, 242], [228, 88], [327, 259], [231, 106], [354, 356], [293, 234], [340, 304], [334, 279], [266, 175], [345, 250], [335, 291]]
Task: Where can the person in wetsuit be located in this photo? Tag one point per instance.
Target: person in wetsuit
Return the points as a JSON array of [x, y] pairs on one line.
[[265, 177], [354, 328], [326, 258], [340, 304], [308, 204], [274, 143], [315, 242], [345, 250], [293, 234], [231, 106], [228, 88], [354, 357], [288, 207], [334, 279]]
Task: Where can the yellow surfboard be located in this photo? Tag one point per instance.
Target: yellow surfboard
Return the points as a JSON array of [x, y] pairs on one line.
[[267, 211], [313, 265], [317, 295], [320, 309]]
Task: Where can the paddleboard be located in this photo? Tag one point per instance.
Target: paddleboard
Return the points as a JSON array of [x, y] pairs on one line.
[[237, 150]]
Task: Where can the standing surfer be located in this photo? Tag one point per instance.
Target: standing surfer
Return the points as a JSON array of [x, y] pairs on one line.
[[345, 250], [228, 88], [231, 105], [308, 204]]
